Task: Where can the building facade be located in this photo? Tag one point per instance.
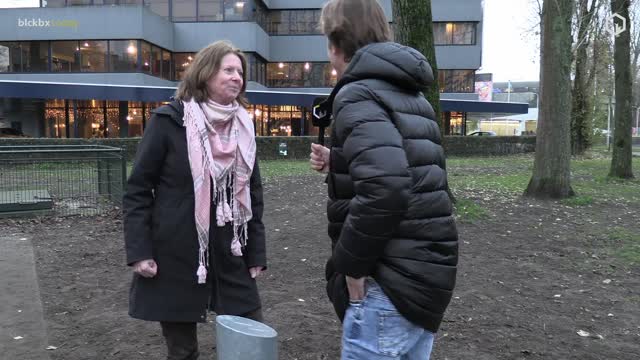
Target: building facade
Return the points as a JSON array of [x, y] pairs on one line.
[[95, 68]]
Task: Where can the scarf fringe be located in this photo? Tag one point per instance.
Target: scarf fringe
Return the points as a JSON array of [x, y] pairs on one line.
[[225, 195]]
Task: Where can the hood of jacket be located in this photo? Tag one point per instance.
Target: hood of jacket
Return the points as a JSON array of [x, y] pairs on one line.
[[399, 65]]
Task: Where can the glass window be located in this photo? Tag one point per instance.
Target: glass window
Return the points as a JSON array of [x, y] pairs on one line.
[[93, 56], [54, 119], [262, 15], [113, 119], [10, 57], [462, 33], [456, 81], [35, 56], [146, 57], [183, 10], [296, 22], [256, 68], [296, 74], [277, 74], [300, 75], [210, 10], [89, 122], [305, 21], [314, 75], [160, 7], [123, 55], [65, 56], [134, 119], [262, 73], [167, 65], [237, 10], [156, 60], [251, 63], [440, 34], [130, 2], [330, 76], [182, 62], [278, 22]]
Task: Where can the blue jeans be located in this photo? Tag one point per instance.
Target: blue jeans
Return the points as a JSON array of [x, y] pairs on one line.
[[374, 330]]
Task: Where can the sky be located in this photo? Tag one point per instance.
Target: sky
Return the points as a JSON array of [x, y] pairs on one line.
[[19, 3], [510, 50]]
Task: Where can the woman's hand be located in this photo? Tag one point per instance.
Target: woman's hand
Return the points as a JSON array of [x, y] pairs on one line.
[[255, 271], [319, 158], [146, 268]]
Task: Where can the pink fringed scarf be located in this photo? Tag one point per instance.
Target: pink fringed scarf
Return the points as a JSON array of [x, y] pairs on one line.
[[222, 147]]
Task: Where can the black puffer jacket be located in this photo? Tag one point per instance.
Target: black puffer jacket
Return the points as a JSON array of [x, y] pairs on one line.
[[389, 212]]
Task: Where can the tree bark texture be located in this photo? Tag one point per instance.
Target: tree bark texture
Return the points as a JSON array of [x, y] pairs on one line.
[[551, 170]]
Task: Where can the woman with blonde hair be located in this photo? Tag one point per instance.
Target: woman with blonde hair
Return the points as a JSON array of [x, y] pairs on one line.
[[394, 240], [193, 206]]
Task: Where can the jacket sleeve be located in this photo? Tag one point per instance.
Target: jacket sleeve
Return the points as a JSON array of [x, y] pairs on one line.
[[256, 254], [379, 170], [138, 199]]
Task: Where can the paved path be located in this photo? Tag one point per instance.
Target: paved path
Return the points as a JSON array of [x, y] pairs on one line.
[[21, 312]]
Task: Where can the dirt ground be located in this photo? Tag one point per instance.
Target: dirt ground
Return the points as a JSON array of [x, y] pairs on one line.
[[531, 276]]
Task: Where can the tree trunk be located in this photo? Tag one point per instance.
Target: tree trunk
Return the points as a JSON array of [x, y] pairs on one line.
[[621, 161], [551, 169], [413, 27], [580, 109]]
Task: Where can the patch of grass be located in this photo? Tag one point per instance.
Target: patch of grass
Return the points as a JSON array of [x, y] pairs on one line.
[[511, 174], [578, 201], [627, 244], [469, 211], [278, 168]]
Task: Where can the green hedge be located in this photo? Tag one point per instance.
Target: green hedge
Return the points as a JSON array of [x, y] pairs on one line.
[[299, 147]]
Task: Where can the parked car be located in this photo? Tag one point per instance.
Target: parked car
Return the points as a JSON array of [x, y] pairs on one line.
[[482, 133]]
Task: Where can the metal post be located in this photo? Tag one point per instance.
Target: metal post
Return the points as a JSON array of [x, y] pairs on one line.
[[238, 338]]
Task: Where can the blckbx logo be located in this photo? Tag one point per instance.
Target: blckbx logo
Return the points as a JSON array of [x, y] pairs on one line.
[[38, 22]]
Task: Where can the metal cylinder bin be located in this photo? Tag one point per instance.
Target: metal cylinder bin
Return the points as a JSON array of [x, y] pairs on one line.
[[238, 338]]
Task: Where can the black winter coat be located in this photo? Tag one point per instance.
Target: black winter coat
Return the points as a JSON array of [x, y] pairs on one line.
[[390, 216], [159, 224]]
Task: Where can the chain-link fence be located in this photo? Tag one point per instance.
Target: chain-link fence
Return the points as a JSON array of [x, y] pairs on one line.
[[60, 179]]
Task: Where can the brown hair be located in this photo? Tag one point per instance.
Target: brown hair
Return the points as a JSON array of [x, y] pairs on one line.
[[352, 24], [205, 64]]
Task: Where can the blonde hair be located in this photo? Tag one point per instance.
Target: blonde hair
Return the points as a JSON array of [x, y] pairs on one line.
[[206, 64], [352, 24]]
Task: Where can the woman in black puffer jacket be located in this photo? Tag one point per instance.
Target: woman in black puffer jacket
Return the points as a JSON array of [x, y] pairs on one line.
[[393, 235]]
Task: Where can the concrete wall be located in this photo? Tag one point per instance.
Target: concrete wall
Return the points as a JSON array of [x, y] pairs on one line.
[[91, 23], [307, 48]]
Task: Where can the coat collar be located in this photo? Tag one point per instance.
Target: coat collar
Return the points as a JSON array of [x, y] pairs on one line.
[[175, 110]]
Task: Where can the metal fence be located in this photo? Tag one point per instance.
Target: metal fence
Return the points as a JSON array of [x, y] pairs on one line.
[[60, 179]]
